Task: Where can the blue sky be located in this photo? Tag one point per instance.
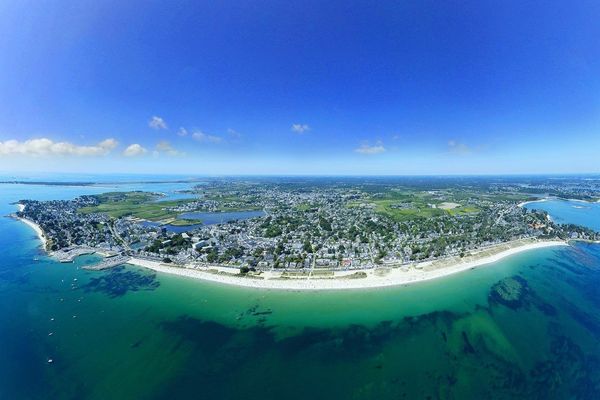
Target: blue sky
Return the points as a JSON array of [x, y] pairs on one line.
[[315, 87]]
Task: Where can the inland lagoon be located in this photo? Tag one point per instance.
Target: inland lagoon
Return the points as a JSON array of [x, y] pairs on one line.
[[527, 326], [206, 218]]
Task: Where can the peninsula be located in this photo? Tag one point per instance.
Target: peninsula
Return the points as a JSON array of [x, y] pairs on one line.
[[309, 235]]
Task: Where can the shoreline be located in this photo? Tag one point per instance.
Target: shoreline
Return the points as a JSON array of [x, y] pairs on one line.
[[38, 230], [544, 199], [339, 280], [342, 280], [524, 203]]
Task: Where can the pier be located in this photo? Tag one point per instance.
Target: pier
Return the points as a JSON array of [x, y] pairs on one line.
[[108, 263], [69, 254]]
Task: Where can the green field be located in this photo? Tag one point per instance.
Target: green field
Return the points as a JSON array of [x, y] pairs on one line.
[[144, 205], [303, 207], [463, 210], [408, 205], [185, 222], [418, 210], [134, 204]]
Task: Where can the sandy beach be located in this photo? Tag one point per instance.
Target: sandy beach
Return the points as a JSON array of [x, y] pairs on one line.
[[34, 226], [374, 278], [350, 279], [557, 198], [524, 203]]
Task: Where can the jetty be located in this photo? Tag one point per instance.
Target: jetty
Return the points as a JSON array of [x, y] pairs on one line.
[[108, 263], [69, 254]]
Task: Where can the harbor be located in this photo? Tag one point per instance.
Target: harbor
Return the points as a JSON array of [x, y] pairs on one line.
[[69, 254], [108, 263]]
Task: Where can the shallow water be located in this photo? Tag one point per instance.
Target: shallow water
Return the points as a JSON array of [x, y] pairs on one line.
[[130, 333]]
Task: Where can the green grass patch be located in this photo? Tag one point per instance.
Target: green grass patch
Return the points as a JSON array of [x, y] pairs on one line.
[[185, 222], [416, 210], [303, 207], [134, 204], [463, 210]]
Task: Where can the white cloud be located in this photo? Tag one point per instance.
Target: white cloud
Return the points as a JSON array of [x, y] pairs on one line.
[[108, 143], [182, 132], [45, 146], [365, 148], [300, 128], [458, 148], [165, 147], [206, 138], [134, 150], [157, 123], [233, 133]]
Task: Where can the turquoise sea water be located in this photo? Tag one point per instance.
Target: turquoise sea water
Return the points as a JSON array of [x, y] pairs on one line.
[[129, 333]]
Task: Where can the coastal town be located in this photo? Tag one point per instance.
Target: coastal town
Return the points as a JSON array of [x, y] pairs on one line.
[[304, 228]]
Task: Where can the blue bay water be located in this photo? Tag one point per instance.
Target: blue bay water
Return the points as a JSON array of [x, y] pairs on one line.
[[570, 212], [130, 333]]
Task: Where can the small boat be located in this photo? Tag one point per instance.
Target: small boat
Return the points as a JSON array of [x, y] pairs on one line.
[[51, 333], [50, 361]]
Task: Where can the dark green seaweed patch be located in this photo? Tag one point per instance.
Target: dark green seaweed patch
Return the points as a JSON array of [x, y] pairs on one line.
[[253, 354], [567, 364], [578, 261], [585, 272], [510, 292], [546, 308], [588, 285], [118, 281], [585, 319], [514, 292], [255, 315], [208, 336], [569, 266], [467, 346], [436, 355]]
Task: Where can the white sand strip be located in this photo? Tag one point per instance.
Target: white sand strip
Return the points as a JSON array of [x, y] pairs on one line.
[[374, 278], [37, 230], [524, 203], [34, 226]]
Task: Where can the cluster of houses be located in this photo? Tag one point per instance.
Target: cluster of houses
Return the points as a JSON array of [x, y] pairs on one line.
[[303, 227]]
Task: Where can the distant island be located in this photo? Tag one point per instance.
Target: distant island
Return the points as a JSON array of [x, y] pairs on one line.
[[91, 183], [311, 233]]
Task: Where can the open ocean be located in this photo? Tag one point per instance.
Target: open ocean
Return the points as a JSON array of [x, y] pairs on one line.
[[129, 333]]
